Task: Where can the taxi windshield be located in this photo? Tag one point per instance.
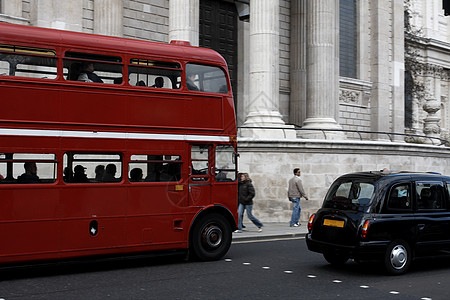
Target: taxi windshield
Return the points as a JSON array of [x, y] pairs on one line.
[[349, 194]]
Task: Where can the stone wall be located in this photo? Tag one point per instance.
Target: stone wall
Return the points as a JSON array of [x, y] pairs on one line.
[[270, 165]]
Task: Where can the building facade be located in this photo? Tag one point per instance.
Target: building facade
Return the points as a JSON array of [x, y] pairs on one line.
[[330, 86]]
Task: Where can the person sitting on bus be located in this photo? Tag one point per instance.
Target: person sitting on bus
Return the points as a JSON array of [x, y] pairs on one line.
[[99, 172], [74, 71], [68, 174], [110, 173], [87, 73], [159, 82], [30, 175], [140, 83], [79, 176], [136, 175], [190, 78]]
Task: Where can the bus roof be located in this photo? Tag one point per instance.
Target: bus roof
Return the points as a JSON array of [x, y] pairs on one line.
[[44, 36]]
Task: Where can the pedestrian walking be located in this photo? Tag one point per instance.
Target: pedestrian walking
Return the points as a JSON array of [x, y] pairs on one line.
[[295, 192], [246, 193]]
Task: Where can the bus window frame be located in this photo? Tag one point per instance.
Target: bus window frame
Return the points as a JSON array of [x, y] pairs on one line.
[[54, 56], [178, 68]]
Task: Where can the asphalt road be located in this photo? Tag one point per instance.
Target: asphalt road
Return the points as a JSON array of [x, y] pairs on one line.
[[281, 269]]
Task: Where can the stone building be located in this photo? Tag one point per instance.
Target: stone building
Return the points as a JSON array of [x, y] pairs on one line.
[[330, 86]]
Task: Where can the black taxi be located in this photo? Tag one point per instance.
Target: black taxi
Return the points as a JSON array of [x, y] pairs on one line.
[[383, 216]]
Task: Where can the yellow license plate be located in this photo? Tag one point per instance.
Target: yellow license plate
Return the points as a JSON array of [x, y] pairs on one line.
[[333, 223]]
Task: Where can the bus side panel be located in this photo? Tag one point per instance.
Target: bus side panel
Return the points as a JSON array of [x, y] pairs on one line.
[[156, 215], [176, 112], [26, 102], [204, 112], [28, 222], [92, 217], [148, 109], [93, 105]]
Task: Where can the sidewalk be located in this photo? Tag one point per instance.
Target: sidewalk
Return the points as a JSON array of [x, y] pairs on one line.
[[270, 231]]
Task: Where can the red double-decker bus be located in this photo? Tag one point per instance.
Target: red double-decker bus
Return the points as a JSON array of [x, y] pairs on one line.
[[111, 145]]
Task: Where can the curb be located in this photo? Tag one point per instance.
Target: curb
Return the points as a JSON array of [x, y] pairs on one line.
[[267, 237], [271, 231]]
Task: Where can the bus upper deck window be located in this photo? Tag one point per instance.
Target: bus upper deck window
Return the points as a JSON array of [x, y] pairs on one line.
[[89, 67], [206, 79], [27, 62], [154, 74]]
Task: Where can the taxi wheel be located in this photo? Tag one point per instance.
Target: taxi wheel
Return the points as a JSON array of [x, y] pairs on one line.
[[211, 237], [335, 259], [397, 259]]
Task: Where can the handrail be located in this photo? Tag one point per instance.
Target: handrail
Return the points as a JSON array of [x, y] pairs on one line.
[[415, 137]]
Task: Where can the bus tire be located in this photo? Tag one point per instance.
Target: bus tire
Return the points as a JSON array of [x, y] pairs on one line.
[[211, 237]]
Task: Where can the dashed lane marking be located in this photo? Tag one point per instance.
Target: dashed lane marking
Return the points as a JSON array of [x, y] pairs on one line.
[[394, 292]]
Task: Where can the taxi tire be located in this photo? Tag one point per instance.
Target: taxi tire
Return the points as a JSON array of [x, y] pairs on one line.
[[398, 257]]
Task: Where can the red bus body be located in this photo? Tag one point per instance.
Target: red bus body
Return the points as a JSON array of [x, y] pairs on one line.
[[57, 124]]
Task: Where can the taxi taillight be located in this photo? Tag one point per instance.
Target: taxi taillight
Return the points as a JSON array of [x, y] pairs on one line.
[[310, 222], [365, 229]]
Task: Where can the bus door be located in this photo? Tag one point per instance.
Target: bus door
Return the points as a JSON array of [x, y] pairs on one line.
[[200, 175]]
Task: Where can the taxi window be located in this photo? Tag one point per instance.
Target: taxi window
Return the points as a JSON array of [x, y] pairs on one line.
[[430, 195], [349, 194], [399, 197]]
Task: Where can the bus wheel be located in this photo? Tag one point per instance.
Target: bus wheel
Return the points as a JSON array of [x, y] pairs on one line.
[[211, 237]]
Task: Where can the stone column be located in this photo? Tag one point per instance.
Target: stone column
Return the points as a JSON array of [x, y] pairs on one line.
[[263, 101], [66, 15], [108, 17], [398, 57], [12, 12], [381, 66], [243, 71], [184, 21], [322, 71], [12, 8], [431, 123], [297, 108]]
